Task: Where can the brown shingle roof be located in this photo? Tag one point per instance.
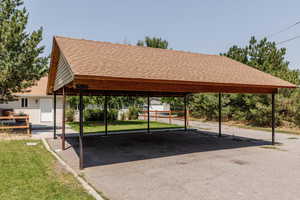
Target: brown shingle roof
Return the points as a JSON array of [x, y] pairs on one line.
[[106, 59], [39, 89]]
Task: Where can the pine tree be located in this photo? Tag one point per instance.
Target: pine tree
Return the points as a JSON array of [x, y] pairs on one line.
[[153, 42], [21, 63]]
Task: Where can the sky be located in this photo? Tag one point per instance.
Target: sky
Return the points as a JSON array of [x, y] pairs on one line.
[[201, 26]]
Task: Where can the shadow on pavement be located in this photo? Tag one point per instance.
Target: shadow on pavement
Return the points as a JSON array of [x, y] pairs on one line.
[[100, 150]]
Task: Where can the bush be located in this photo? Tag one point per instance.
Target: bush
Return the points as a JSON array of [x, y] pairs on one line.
[[70, 113], [93, 115], [98, 115], [112, 115], [133, 113]]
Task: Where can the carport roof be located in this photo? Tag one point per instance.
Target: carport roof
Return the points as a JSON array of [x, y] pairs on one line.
[[110, 65]]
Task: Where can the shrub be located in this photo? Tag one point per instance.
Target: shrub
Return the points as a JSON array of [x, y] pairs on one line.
[[133, 113], [98, 115], [93, 115], [70, 113], [112, 115], [87, 114]]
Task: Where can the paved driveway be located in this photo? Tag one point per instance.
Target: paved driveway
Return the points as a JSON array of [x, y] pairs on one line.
[[195, 165]]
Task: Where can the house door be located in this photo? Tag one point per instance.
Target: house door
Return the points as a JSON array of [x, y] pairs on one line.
[[46, 110]]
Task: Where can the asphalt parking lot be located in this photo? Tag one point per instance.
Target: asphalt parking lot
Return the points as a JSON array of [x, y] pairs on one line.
[[194, 165]]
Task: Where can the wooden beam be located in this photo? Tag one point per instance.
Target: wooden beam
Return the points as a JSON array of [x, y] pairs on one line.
[[70, 90], [14, 127], [167, 87], [53, 67], [161, 81]]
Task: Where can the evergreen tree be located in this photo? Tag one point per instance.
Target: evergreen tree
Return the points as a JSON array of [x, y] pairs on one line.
[[264, 56], [153, 42], [20, 62]]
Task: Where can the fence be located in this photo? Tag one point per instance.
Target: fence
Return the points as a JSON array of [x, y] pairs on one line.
[[167, 114]]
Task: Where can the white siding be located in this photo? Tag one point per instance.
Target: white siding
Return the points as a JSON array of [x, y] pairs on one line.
[[33, 109]]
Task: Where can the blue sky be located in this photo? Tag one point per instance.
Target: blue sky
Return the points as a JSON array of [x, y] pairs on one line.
[[204, 26]]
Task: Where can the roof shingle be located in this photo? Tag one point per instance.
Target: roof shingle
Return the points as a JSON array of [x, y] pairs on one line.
[[104, 59]]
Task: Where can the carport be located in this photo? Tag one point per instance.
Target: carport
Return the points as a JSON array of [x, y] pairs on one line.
[[83, 67]]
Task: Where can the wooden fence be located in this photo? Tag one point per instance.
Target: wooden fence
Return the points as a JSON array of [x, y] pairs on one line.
[[169, 114]]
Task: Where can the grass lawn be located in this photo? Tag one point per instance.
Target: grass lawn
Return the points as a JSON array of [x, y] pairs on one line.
[[90, 127], [31, 172]]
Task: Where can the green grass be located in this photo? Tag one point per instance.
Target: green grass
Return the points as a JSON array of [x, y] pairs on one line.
[[31, 172], [92, 127]]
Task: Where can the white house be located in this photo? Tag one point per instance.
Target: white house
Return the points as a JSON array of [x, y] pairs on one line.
[[157, 105], [37, 104]]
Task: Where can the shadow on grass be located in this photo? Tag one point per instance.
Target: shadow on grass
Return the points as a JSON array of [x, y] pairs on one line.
[[125, 122], [121, 131], [93, 127]]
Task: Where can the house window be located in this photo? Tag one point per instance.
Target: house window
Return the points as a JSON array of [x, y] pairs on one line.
[[24, 102]]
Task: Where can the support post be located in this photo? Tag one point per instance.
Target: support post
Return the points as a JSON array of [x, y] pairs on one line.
[[80, 131], [148, 112], [63, 121], [185, 113], [54, 116], [105, 115], [220, 115], [273, 118], [28, 126]]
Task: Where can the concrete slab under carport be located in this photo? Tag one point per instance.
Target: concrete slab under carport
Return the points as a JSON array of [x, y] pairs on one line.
[[193, 165]]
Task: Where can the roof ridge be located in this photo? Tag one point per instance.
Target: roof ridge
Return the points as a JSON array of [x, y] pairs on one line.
[[136, 46]]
